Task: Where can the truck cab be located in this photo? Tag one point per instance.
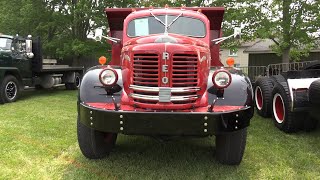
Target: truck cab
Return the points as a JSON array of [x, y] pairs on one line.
[[165, 78], [23, 67]]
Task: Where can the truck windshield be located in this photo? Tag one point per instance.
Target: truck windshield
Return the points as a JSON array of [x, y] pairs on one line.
[[186, 26], [5, 44]]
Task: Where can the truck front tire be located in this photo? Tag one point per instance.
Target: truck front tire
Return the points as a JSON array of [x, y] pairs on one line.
[[9, 89], [94, 144], [230, 147]]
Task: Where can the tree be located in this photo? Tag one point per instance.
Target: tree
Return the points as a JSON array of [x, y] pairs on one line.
[[290, 24]]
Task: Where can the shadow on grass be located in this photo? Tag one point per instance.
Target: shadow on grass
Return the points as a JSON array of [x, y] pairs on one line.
[[35, 93], [136, 157]]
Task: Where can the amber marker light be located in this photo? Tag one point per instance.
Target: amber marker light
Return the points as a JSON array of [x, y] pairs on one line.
[[102, 60], [230, 61]]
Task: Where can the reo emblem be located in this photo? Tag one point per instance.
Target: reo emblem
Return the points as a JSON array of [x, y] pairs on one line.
[[165, 57]]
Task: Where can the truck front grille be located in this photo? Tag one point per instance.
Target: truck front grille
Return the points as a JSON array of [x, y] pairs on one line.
[[184, 70], [184, 79], [146, 70]]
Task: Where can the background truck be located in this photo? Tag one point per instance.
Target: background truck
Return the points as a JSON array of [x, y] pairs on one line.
[[22, 67], [290, 93], [165, 79]]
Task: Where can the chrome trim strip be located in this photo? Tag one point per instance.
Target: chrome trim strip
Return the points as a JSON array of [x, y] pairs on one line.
[[157, 89], [156, 98]]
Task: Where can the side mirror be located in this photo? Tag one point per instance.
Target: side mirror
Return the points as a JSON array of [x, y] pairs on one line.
[[29, 47], [237, 33], [98, 34]]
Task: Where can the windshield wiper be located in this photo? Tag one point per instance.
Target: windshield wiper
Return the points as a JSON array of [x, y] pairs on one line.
[[165, 24], [168, 26], [158, 19]]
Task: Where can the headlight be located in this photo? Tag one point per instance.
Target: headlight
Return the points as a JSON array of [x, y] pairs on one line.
[[221, 78], [108, 77]]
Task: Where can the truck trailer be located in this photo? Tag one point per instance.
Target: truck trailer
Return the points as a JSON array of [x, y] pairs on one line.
[[290, 94], [165, 79], [22, 67]]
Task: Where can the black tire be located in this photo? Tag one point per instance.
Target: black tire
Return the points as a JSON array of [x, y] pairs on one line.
[[230, 147], [9, 89], [76, 84], [262, 96], [283, 117], [94, 144], [314, 93], [278, 79]]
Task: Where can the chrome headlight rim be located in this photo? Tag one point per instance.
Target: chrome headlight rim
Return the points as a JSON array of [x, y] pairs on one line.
[[215, 75], [115, 77]]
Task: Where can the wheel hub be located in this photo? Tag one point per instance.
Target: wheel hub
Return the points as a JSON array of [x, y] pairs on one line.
[[11, 90], [278, 108], [259, 98]]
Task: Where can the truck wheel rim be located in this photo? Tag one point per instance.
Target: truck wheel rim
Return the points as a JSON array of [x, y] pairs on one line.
[[278, 108], [258, 98], [78, 81], [11, 90]]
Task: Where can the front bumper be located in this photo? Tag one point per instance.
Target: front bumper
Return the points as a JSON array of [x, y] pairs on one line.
[[164, 123]]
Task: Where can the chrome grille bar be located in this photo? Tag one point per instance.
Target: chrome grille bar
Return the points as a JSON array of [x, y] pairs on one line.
[[157, 89], [156, 98]]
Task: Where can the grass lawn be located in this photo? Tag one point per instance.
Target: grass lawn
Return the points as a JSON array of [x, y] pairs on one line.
[[38, 141]]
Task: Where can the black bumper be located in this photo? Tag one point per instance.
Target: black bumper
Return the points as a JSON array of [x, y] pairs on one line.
[[165, 123]]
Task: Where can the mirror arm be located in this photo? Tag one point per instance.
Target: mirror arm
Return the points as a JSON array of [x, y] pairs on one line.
[[219, 40], [111, 38]]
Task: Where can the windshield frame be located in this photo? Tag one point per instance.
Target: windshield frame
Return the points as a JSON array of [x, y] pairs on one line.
[[157, 15]]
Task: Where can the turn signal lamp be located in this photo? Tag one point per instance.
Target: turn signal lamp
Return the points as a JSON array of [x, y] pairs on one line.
[[102, 60], [221, 79], [230, 61]]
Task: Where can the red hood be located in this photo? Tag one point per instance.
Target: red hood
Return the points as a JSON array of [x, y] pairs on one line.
[[170, 38]]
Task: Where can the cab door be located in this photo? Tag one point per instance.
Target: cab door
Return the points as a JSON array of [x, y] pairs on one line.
[[20, 60], [5, 52]]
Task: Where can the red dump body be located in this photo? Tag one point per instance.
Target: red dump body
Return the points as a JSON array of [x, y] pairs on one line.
[[212, 16]]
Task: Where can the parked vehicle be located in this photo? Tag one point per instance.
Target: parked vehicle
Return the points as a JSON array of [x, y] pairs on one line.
[[290, 93], [165, 79], [22, 67]]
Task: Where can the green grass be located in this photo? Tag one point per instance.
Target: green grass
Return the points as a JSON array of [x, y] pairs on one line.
[[38, 141]]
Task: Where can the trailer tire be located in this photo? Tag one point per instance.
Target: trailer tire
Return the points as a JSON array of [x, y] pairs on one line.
[[262, 96], [314, 93], [76, 84], [278, 79], [284, 118], [230, 147], [94, 144], [9, 89]]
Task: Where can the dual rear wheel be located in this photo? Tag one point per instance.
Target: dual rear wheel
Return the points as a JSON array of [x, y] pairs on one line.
[[272, 98]]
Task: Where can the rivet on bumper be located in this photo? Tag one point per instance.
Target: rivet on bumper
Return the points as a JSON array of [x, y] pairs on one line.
[[205, 124], [205, 130], [205, 118], [121, 122], [121, 116], [121, 128], [91, 118], [90, 112]]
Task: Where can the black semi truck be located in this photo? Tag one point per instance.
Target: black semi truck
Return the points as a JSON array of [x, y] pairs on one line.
[[22, 67]]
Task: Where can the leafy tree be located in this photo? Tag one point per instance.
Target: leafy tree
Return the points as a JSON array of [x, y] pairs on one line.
[[290, 24]]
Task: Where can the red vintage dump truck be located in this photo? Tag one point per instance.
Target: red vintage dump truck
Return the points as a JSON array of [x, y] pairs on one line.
[[165, 79]]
